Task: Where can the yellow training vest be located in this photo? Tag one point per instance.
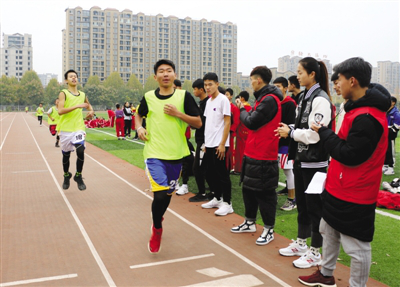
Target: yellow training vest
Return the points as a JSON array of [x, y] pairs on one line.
[[72, 121]]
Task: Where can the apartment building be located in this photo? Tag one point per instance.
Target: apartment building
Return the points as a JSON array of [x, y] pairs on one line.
[[99, 42], [388, 75], [16, 55]]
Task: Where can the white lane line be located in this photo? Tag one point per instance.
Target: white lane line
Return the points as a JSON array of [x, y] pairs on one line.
[[171, 261], [213, 272], [387, 214], [245, 280], [209, 236], [28, 171], [97, 130], [39, 280], [7, 133], [90, 244], [19, 152]]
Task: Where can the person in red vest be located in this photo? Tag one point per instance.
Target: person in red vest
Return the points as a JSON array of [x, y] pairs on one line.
[[260, 172], [241, 134], [230, 155], [111, 117], [354, 175]]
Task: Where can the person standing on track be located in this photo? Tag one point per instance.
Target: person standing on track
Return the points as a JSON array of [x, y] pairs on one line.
[[168, 111], [71, 127]]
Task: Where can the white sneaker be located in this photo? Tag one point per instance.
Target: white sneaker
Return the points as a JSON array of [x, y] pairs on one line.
[[214, 203], [246, 226], [389, 171], [177, 186], [308, 260], [182, 190], [224, 209], [385, 167], [266, 236], [294, 249]]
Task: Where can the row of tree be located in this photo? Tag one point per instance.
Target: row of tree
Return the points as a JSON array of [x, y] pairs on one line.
[[29, 90]]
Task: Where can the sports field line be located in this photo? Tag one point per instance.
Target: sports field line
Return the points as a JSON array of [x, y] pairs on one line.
[[209, 236], [129, 140], [90, 244], [171, 261], [43, 279], [2, 118], [1, 146]]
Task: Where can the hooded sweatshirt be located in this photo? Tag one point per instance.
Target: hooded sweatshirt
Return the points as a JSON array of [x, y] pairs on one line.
[[358, 153]]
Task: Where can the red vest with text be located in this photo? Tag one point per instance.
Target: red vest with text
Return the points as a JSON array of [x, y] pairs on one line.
[[359, 184], [262, 144]]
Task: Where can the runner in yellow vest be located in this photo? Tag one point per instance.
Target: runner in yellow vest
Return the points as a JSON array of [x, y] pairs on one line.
[[39, 113], [71, 127], [52, 120], [168, 112], [26, 109]]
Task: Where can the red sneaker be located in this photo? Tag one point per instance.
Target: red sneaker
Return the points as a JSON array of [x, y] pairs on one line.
[[155, 240], [317, 279]]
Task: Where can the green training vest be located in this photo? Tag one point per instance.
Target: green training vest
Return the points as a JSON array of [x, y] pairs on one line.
[[72, 121], [54, 114], [166, 134]]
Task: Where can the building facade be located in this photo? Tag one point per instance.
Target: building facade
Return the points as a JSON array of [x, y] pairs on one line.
[[45, 78], [16, 55], [99, 42], [388, 75]]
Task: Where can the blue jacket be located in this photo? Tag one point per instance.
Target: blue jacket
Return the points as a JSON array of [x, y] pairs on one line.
[[393, 117]]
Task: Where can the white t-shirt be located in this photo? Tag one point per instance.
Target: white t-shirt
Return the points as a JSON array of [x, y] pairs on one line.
[[214, 112]]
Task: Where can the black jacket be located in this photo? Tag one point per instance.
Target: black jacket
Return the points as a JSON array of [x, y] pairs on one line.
[[355, 220]]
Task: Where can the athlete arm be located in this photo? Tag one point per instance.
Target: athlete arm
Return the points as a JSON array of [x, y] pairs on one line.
[[90, 113], [220, 151], [264, 113], [191, 116], [141, 111]]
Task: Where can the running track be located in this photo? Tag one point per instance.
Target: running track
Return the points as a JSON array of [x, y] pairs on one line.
[[98, 237]]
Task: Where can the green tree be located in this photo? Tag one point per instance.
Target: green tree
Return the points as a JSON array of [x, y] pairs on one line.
[[151, 84], [31, 88], [114, 80], [93, 80], [97, 95], [136, 86], [8, 90], [52, 90], [236, 90], [187, 85]]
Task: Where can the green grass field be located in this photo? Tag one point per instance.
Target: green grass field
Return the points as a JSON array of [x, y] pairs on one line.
[[385, 253]]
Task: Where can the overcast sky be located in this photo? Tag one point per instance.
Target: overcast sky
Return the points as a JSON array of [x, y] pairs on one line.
[[267, 30]]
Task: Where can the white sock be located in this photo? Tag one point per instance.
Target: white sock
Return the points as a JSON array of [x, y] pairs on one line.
[[302, 242], [314, 251]]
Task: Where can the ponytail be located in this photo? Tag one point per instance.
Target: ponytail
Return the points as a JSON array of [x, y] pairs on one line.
[[321, 73], [323, 78]]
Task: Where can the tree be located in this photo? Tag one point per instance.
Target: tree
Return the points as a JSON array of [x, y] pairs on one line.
[[52, 90], [187, 85], [32, 91], [97, 95], [151, 84], [114, 80], [236, 90], [93, 80], [8, 90], [136, 86]]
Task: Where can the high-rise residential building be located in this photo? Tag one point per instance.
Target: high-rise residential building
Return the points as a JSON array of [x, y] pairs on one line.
[[288, 63], [16, 55], [99, 42], [45, 78], [388, 74]]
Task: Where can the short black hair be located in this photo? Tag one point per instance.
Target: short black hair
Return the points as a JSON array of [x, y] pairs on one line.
[[162, 62], [263, 72], [293, 80], [211, 77], [70, 71], [221, 90], [177, 83], [117, 106], [393, 99], [355, 67], [198, 84], [335, 77], [281, 80], [245, 95], [229, 90]]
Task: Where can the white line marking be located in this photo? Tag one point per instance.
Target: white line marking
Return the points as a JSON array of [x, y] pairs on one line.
[[223, 245], [19, 152], [7, 133], [214, 272], [387, 214], [26, 171], [96, 256], [245, 280], [171, 261], [2, 118], [97, 130], [38, 280]]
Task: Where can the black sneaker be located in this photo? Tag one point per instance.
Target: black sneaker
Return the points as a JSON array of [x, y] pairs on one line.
[[199, 198], [283, 191], [57, 145], [210, 195], [66, 180], [79, 181]]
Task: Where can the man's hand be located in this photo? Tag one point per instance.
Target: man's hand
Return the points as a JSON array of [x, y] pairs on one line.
[[220, 152], [142, 133], [282, 131], [239, 103], [315, 127], [171, 110]]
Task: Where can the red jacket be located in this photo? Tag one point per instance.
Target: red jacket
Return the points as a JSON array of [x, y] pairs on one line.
[[235, 116]]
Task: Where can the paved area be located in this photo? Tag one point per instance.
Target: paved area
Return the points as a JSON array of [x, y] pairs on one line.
[[98, 237]]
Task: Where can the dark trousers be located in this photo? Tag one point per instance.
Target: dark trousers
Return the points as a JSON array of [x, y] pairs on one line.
[[187, 164], [389, 159], [218, 175], [265, 200], [309, 206], [199, 170], [127, 127]]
